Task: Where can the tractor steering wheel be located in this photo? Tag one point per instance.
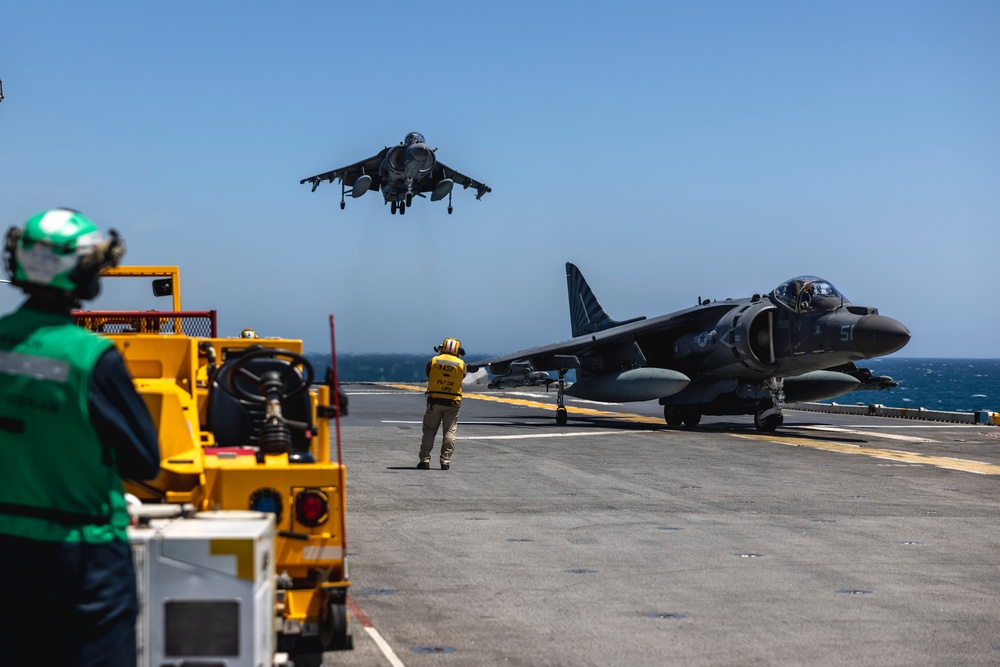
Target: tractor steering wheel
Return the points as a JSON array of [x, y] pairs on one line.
[[286, 380]]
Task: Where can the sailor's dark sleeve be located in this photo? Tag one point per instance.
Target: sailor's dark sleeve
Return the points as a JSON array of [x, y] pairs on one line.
[[121, 418]]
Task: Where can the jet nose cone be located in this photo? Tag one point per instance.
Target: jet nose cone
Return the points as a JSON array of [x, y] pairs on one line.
[[876, 335], [418, 151]]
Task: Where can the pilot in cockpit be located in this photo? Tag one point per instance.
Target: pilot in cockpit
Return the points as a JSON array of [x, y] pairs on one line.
[[806, 293]]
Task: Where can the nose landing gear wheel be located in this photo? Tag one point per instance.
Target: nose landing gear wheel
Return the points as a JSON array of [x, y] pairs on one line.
[[767, 424], [561, 416]]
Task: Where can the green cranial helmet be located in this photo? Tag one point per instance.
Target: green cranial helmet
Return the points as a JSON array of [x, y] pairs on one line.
[[60, 250]]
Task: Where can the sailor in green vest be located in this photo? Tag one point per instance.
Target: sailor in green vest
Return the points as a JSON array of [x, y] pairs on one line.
[[72, 426], [445, 373]]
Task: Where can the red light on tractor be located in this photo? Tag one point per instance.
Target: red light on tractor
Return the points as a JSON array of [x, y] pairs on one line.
[[312, 508]]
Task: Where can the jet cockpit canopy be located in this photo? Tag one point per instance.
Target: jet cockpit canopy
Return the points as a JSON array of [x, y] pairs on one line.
[[414, 138], [808, 294]]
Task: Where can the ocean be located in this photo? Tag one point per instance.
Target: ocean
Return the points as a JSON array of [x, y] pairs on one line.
[[953, 385]]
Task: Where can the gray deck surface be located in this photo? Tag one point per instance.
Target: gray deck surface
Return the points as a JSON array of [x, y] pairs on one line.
[[836, 540]]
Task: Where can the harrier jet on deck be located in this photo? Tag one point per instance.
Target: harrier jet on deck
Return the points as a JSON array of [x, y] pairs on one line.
[[400, 172], [739, 356]]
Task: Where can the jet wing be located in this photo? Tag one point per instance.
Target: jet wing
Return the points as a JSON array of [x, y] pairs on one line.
[[551, 357], [349, 174], [443, 171], [567, 354]]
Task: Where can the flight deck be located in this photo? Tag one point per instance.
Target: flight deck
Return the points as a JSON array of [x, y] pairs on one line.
[[618, 540]]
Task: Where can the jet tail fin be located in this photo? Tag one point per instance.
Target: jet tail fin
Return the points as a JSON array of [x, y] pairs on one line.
[[585, 311]]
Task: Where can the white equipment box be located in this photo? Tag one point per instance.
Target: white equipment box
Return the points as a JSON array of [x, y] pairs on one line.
[[206, 590]]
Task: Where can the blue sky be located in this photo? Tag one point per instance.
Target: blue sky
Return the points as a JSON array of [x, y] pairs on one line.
[[670, 149]]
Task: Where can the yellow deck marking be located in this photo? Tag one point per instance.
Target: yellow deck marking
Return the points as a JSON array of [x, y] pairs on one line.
[[847, 431], [624, 416], [977, 467], [964, 465]]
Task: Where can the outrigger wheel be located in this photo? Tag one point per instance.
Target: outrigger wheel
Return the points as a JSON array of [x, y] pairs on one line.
[[561, 416], [271, 388]]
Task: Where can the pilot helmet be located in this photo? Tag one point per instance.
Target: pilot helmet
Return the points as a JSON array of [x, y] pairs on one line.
[[248, 333], [60, 252], [450, 346]]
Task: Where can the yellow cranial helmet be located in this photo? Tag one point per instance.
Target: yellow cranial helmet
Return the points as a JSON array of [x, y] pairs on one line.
[[248, 333], [449, 346]]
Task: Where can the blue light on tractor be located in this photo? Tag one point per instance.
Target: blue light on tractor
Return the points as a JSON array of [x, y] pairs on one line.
[[267, 500]]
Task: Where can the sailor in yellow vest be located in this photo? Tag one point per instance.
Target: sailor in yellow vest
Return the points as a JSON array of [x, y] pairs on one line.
[[445, 373]]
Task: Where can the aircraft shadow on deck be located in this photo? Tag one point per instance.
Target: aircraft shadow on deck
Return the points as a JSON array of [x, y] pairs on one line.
[[621, 424]]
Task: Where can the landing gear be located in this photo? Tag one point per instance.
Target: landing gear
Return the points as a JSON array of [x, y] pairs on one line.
[[343, 189], [449, 203], [770, 419], [342, 205], [402, 208], [561, 416], [675, 416], [392, 207], [767, 423], [409, 198]]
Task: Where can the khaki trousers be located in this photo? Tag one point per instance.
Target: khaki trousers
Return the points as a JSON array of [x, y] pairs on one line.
[[438, 415]]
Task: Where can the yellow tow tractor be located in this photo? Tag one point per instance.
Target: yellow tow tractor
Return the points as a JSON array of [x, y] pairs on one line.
[[242, 426]]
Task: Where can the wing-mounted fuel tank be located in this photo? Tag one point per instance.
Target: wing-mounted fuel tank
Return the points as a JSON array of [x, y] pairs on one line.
[[744, 335], [442, 189], [619, 374], [361, 185]]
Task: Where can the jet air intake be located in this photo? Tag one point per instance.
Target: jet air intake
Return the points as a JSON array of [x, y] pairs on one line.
[[744, 335], [637, 384]]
